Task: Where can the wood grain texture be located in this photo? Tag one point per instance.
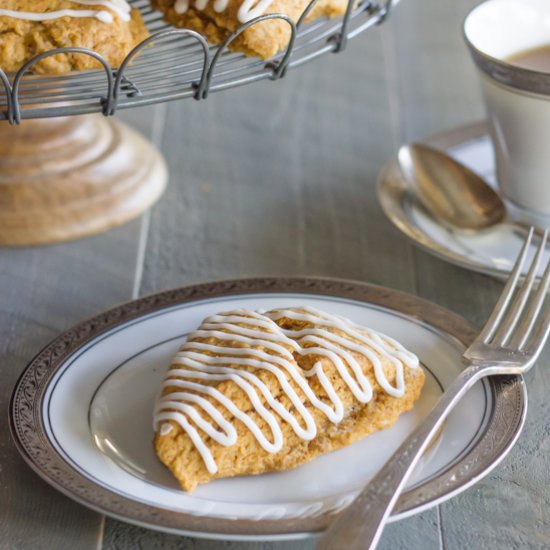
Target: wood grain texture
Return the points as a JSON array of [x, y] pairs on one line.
[[66, 178], [262, 175], [434, 84], [43, 292], [278, 179]]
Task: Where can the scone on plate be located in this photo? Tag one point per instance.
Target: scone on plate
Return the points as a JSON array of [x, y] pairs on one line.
[[30, 27], [217, 19], [254, 392]]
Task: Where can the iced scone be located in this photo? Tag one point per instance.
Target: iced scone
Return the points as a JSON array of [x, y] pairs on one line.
[[217, 19], [252, 392], [110, 28]]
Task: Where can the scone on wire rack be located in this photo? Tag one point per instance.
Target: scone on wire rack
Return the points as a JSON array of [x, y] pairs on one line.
[[253, 392], [31, 27], [217, 19]]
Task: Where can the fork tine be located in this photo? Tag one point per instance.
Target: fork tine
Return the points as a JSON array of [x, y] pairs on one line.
[[533, 313], [536, 345], [506, 329], [502, 304]]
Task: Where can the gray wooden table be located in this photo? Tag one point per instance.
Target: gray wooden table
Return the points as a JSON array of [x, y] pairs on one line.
[[278, 179]]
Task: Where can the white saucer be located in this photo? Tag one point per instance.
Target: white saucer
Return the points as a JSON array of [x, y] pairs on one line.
[[492, 251]]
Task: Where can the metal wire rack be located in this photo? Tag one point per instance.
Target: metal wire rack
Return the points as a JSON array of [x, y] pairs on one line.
[[176, 63]]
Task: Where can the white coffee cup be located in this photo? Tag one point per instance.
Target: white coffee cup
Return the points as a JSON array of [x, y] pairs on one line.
[[517, 99]]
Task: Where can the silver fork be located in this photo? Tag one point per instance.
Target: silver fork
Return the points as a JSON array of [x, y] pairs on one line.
[[509, 343]]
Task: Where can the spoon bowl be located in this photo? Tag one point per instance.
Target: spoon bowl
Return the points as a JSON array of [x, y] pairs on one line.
[[450, 191]]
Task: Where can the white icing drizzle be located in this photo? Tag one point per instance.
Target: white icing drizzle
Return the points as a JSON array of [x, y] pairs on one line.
[[248, 10], [199, 366], [119, 7]]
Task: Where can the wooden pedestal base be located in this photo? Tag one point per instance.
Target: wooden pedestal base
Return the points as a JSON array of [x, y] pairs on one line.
[[67, 178]]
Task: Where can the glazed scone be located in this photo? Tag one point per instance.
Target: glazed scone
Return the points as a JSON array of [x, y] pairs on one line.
[[219, 18], [30, 27], [253, 392]]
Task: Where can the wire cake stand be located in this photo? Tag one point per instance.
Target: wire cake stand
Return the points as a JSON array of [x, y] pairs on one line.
[[64, 177]]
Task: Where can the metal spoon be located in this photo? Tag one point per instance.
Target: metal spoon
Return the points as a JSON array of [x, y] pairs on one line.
[[451, 192]]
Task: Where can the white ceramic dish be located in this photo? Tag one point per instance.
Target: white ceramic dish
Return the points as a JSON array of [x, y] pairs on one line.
[[81, 414], [517, 99], [492, 251]]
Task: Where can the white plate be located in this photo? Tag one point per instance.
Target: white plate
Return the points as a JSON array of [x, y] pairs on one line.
[[491, 251], [82, 414]]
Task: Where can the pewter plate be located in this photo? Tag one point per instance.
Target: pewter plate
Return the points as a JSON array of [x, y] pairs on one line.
[[492, 251], [81, 414]]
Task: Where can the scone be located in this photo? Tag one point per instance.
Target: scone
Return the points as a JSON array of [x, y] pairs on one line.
[[253, 392], [30, 27], [217, 19]]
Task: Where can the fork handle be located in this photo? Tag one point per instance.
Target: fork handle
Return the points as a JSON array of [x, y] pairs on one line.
[[360, 525]]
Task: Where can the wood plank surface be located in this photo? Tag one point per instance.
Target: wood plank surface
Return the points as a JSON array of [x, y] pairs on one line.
[[279, 179], [45, 290]]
